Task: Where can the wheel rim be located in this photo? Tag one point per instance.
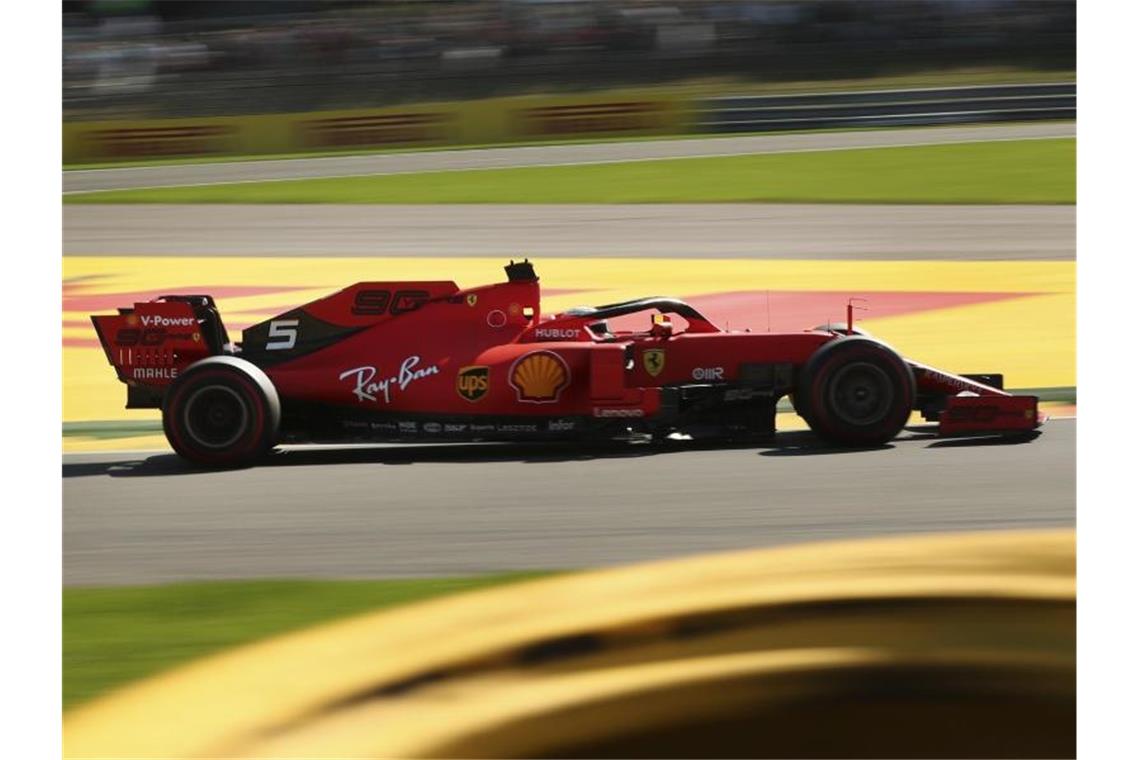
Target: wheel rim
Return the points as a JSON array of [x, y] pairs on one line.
[[861, 394], [215, 416]]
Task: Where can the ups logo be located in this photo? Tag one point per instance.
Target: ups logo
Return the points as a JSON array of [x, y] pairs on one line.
[[471, 383]]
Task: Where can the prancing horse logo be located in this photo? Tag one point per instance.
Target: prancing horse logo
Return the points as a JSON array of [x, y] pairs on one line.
[[654, 361]]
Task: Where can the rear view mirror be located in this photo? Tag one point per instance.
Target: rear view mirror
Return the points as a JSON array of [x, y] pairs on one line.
[[662, 326]]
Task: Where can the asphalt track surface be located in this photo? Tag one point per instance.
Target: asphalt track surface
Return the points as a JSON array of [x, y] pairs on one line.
[[745, 230], [357, 512], [92, 180]]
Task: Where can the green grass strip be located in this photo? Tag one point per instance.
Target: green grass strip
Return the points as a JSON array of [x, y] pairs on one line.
[[108, 429], [112, 636], [1019, 171]]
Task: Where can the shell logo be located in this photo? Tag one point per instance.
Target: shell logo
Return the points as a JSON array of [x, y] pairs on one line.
[[539, 377]]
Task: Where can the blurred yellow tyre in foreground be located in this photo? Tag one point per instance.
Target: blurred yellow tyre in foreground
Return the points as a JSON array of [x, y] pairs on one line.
[[933, 646]]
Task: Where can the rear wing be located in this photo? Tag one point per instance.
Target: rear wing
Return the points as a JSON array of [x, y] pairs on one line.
[[149, 343]]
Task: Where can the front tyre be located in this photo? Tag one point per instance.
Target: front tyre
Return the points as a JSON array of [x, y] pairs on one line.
[[855, 391], [221, 412]]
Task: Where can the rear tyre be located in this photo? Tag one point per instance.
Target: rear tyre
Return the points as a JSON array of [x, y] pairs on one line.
[[222, 412], [855, 391]]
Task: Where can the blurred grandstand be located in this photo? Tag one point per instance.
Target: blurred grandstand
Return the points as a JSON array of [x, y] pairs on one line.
[[143, 58]]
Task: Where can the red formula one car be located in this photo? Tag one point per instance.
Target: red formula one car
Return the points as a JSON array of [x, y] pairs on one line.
[[427, 361]]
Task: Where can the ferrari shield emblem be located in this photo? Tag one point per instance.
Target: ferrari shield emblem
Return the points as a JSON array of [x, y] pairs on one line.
[[472, 299], [654, 361]]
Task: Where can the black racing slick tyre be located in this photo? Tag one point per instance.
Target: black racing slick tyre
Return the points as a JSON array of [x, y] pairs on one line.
[[221, 412], [855, 391]]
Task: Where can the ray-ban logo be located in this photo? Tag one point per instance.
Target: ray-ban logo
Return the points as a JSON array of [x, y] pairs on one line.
[[368, 388]]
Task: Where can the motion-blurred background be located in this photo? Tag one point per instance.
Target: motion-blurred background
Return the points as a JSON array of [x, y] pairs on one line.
[[136, 59], [142, 58]]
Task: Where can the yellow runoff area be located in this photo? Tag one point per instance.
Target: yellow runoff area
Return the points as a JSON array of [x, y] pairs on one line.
[[1031, 339]]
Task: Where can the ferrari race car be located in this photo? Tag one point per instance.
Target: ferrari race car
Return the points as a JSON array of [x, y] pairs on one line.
[[428, 361]]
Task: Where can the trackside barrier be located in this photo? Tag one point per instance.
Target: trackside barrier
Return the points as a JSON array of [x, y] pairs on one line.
[[884, 108], [526, 118], [951, 645], [218, 137], [425, 125]]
